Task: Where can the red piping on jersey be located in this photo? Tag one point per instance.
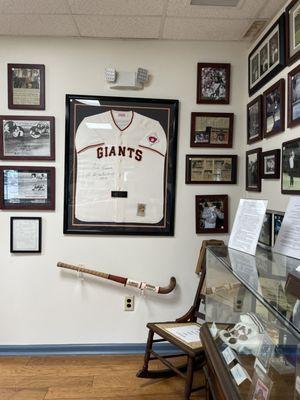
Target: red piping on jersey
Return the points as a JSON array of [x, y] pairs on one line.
[[127, 126], [149, 148], [90, 146]]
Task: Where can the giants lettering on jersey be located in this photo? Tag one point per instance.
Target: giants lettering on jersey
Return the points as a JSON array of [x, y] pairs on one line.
[[120, 151]]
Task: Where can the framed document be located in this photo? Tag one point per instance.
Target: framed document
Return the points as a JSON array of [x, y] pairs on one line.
[[27, 138], [212, 213], [23, 188], [213, 83], [26, 86], [25, 234], [120, 165]]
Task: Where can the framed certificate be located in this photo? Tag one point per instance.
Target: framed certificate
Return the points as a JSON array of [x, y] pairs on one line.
[[25, 234]]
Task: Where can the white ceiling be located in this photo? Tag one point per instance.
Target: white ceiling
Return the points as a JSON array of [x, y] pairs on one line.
[[150, 19]]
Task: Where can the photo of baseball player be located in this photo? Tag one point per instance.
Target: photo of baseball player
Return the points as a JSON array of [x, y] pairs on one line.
[[263, 56], [253, 121], [254, 69], [252, 170], [211, 214], [295, 86], [273, 103], [274, 49], [291, 165]]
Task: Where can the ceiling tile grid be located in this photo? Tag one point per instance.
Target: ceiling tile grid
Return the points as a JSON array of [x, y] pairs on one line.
[[34, 7]]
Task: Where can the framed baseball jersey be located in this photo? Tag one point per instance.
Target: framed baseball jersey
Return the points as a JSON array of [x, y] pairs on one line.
[[120, 165]]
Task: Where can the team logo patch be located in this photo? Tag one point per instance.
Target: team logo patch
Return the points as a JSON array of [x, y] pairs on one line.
[[152, 139]]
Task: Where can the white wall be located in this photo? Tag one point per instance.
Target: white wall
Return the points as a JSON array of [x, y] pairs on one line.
[[41, 305]]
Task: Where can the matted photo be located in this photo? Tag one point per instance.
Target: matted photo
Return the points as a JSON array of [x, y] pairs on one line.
[[26, 86], [274, 109], [25, 234], [290, 177], [267, 59], [29, 187], [277, 222], [254, 120], [213, 83], [27, 138], [211, 169], [265, 237], [294, 97], [293, 31], [253, 170], [261, 386], [212, 213], [211, 129], [271, 164]]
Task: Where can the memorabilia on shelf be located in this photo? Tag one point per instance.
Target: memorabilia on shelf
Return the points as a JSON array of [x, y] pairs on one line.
[[213, 83], [265, 237], [271, 164], [27, 138], [254, 120], [25, 234], [23, 188], [290, 176], [261, 386], [274, 109], [212, 169], [277, 221], [292, 31], [120, 165], [294, 95], [267, 59], [265, 352], [26, 86], [211, 129], [253, 170], [212, 213]]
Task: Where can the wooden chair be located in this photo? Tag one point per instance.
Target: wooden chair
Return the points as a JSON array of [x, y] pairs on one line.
[[193, 352]]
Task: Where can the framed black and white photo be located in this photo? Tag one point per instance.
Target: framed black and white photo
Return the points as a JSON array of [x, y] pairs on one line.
[[213, 83], [293, 31], [277, 221], [27, 138], [253, 170], [267, 59], [25, 234], [290, 176], [254, 120], [26, 86], [271, 164], [265, 237], [212, 213], [274, 109], [27, 188], [294, 97]]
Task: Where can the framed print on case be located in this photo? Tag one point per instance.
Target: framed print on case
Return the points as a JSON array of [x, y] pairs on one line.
[[290, 176], [292, 13], [212, 213], [270, 164], [254, 120], [253, 170], [213, 83], [294, 96], [274, 109], [27, 138], [120, 165], [25, 234], [26, 86], [211, 129]]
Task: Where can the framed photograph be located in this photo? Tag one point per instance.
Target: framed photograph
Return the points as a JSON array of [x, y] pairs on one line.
[[213, 83], [253, 170], [292, 13], [265, 237], [254, 120], [120, 165], [271, 164], [27, 138], [290, 177], [212, 213], [23, 188], [211, 129], [210, 169], [274, 109], [294, 97], [261, 386], [26, 86], [277, 221], [267, 59], [25, 234]]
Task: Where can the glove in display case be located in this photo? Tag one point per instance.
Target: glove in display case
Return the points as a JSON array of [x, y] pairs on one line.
[[252, 332]]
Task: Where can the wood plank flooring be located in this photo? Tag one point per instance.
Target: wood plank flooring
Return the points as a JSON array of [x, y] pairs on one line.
[[85, 378]]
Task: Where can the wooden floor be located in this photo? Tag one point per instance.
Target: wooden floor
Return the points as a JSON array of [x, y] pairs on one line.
[[84, 378]]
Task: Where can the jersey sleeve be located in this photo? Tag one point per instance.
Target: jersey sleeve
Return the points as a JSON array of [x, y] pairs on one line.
[[86, 136], [155, 139]]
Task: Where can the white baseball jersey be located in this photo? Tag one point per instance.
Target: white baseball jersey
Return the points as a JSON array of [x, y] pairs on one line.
[[120, 168]]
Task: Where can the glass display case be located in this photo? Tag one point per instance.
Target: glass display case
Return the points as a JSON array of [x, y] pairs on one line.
[[252, 330]]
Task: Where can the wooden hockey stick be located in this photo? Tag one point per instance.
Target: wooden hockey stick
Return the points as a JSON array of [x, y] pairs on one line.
[[121, 279]]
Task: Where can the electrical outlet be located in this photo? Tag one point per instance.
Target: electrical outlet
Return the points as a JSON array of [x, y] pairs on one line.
[[129, 303]]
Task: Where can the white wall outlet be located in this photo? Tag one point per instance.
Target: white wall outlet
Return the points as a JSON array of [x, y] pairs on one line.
[[129, 303]]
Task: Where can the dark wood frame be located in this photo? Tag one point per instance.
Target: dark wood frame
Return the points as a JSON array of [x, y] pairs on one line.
[[285, 191], [276, 154], [200, 99], [261, 82], [257, 151], [281, 86], [259, 137], [195, 115], [28, 118], [166, 113], [188, 169], [291, 123], [11, 105], [39, 219], [270, 231], [212, 197], [290, 59], [50, 204]]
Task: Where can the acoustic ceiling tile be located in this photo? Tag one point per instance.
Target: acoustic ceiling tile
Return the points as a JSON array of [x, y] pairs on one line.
[[34, 7], [272, 7]]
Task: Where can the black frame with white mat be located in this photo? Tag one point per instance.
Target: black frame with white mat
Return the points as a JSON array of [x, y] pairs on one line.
[[25, 234]]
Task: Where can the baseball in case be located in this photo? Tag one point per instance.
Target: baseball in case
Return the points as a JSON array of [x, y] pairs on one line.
[[120, 165]]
